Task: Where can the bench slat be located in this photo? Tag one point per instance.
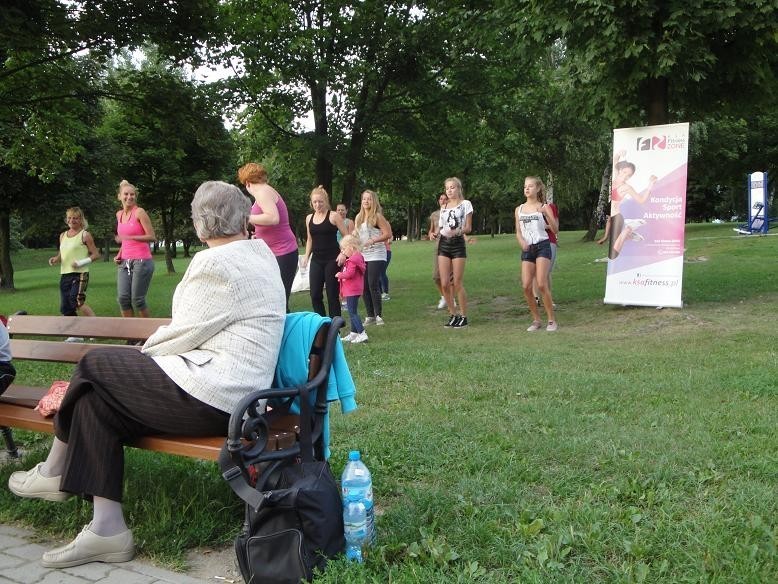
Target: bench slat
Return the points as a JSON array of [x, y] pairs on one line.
[[16, 416], [101, 327], [28, 350], [23, 395]]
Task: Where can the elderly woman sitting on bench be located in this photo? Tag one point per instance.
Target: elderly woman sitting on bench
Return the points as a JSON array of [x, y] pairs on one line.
[[222, 343]]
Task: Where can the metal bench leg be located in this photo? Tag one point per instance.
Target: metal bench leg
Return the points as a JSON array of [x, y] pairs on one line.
[[10, 445]]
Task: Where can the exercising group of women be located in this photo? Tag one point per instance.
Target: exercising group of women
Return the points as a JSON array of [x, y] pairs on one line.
[[325, 255]]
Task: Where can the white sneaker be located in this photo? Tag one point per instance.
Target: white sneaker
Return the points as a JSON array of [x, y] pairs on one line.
[[368, 320], [442, 303], [349, 337], [360, 338], [385, 297], [379, 321], [74, 340]]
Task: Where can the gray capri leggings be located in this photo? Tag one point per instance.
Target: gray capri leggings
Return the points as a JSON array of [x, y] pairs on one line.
[[132, 283]]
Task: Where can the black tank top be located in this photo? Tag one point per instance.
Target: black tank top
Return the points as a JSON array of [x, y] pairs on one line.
[[324, 241]]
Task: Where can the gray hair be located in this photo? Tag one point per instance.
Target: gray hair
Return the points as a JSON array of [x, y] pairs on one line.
[[219, 210]]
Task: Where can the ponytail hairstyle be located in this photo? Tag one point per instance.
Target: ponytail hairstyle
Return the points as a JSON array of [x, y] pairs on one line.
[[541, 187], [320, 190]]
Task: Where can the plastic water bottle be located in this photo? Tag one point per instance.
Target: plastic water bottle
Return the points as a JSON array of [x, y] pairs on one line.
[[357, 482], [355, 528]]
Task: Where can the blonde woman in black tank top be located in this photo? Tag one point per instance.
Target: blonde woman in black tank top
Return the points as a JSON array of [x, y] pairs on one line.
[[321, 251]]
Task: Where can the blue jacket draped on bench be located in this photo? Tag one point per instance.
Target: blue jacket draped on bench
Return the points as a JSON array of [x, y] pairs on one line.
[[300, 328]]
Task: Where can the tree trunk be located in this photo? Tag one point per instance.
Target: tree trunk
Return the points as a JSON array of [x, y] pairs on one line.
[[6, 267], [321, 137], [107, 248], [170, 240], [353, 159], [602, 200], [657, 106], [550, 187]]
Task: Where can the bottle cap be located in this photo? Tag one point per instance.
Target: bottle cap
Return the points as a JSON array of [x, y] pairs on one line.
[[354, 455]]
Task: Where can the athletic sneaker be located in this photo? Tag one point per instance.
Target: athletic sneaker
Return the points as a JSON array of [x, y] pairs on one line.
[[552, 326], [379, 321], [369, 320], [460, 323], [349, 337], [442, 303], [535, 326], [360, 338], [451, 320], [74, 340], [385, 297]]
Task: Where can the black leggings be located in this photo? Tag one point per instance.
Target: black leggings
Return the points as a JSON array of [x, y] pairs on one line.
[[287, 263], [322, 273], [372, 290]]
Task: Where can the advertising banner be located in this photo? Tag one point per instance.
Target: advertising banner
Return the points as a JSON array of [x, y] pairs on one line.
[[648, 210], [757, 202]]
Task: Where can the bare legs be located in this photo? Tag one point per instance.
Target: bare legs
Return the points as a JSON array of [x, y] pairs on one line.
[[86, 310], [607, 233], [537, 271], [452, 272]]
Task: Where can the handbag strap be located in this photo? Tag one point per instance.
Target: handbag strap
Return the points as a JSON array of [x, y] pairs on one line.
[[235, 475]]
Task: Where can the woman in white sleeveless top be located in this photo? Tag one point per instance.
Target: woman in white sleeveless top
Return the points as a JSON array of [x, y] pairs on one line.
[[532, 219]]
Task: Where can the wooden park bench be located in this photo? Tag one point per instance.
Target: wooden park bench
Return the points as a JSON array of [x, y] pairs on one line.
[[40, 338]]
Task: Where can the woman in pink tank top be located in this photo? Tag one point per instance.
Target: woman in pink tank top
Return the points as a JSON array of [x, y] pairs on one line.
[[270, 219], [136, 267]]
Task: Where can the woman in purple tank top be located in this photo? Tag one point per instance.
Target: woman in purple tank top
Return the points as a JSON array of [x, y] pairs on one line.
[[270, 218]]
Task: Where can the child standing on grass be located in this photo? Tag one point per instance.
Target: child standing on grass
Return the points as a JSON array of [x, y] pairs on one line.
[[352, 282]]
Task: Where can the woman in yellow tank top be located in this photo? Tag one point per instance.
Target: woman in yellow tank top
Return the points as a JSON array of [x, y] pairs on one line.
[[76, 251]]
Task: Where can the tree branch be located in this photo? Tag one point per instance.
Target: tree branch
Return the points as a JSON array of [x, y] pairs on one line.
[[48, 59]]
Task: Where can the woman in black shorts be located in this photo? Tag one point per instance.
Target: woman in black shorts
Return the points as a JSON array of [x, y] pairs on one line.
[[456, 221]]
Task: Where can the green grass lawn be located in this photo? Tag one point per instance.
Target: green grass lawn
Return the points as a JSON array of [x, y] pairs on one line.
[[633, 445]]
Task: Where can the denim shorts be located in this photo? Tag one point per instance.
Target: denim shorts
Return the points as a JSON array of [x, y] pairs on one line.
[[542, 249]]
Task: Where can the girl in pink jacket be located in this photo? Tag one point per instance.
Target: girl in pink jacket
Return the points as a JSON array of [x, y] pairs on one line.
[[351, 279]]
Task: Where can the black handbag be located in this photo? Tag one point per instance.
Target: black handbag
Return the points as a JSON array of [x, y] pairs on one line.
[[295, 523]]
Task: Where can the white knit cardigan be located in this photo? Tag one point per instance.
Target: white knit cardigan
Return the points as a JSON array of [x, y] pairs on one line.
[[228, 320]]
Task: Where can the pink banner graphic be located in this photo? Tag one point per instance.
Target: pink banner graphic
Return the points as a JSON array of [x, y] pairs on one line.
[[648, 211]]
